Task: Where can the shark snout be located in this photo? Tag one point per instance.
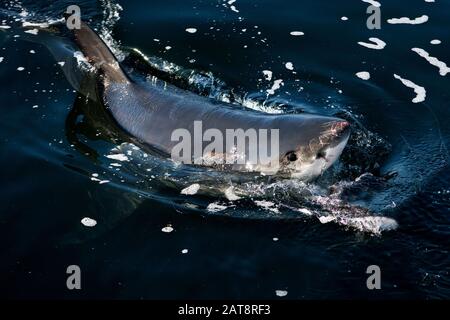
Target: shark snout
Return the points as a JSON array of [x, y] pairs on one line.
[[339, 129], [342, 125], [338, 133], [334, 132]]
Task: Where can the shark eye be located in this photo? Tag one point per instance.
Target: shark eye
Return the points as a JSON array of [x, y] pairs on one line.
[[320, 154], [291, 156]]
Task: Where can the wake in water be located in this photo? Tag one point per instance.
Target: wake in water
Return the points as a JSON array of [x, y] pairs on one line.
[[342, 195]]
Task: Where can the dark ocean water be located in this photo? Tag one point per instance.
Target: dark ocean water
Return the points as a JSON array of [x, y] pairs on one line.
[[54, 142]]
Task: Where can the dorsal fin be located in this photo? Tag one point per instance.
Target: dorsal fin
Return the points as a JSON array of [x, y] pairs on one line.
[[99, 55]]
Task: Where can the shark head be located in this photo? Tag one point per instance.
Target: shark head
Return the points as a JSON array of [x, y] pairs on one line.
[[310, 145]]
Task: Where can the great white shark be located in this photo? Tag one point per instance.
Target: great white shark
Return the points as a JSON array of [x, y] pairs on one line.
[[308, 144]]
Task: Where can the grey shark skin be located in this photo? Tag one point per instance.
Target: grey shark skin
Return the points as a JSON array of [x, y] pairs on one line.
[[308, 144]]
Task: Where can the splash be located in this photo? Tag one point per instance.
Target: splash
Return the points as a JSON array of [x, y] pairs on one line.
[[149, 175], [111, 15], [238, 196]]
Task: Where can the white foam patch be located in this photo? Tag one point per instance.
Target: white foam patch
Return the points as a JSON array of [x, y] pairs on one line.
[[435, 41], [373, 3], [267, 205], [297, 33], [420, 91], [167, 229], [114, 164], [256, 105], [267, 74], [61, 63], [118, 157], [377, 44], [344, 18], [289, 66], [192, 189], [405, 20], [276, 85], [364, 75], [326, 219], [215, 207], [35, 24], [88, 222], [232, 6], [1, 59], [184, 251], [305, 211], [5, 27], [443, 69], [230, 195], [82, 61], [191, 30], [281, 293], [353, 217], [20, 68], [32, 31], [375, 224], [94, 177]]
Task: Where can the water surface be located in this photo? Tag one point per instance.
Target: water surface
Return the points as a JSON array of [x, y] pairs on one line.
[[387, 200]]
